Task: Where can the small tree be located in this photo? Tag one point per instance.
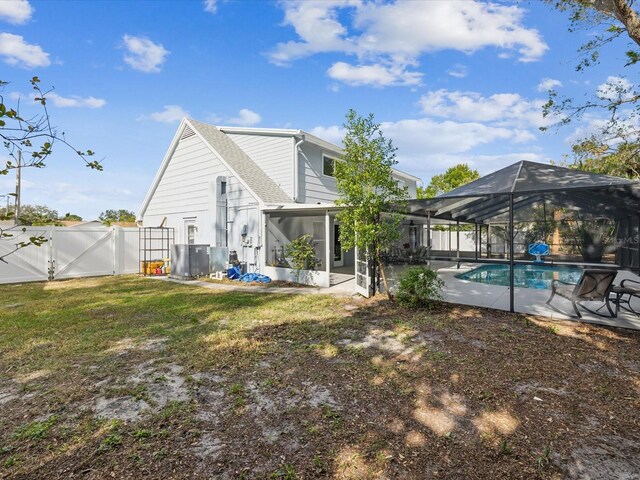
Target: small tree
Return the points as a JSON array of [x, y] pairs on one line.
[[111, 216], [368, 190]]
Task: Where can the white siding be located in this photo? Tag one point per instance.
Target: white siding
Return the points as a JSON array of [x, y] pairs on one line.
[[273, 154], [314, 186], [410, 184], [187, 190]]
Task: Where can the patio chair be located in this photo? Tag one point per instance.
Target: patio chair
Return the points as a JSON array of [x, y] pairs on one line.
[[593, 286], [627, 287]]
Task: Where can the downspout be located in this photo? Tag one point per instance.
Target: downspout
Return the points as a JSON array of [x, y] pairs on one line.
[[296, 178]]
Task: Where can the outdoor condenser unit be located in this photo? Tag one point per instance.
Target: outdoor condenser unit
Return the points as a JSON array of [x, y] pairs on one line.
[[188, 261]]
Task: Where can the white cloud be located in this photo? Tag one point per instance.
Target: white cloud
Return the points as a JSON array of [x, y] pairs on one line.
[[504, 109], [245, 118], [210, 6], [375, 75], [398, 33], [17, 52], [615, 87], [458, 71], [427, 147], [15, 11], [548, 84], [144, 55], [72, 101], [169, 114], [417, 137], [75, 101], [333, 134]]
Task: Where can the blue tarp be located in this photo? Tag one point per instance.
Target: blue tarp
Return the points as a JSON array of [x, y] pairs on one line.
[[234, 273]]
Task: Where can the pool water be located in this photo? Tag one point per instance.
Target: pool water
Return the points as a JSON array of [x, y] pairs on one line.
[[528, 276]]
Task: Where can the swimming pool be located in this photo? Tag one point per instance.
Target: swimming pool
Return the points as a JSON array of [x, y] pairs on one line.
[[528, 276]]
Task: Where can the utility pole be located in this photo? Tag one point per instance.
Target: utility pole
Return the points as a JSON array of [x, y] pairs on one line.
[[16, 213]]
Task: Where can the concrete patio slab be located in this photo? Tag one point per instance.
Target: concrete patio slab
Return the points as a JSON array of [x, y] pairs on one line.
[[529, 300]]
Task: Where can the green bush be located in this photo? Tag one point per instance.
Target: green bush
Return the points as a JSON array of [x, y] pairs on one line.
[[301, 253], [419, 287]]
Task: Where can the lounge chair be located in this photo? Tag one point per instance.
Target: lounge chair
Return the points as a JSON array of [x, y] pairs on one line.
[[627, 287], [593, 286]]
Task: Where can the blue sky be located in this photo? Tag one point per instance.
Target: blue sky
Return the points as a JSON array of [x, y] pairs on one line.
[[449, 81]]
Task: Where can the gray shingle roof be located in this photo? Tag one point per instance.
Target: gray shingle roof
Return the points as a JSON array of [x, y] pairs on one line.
[[241, 164]]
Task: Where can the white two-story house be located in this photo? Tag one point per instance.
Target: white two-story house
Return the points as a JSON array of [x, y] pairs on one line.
[[253, 190]]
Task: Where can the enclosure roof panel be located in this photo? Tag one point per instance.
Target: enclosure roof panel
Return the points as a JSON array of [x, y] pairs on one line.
[[533, 184], [525, 176]]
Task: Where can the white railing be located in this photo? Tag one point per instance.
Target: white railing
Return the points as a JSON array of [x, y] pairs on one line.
[[70, 252]]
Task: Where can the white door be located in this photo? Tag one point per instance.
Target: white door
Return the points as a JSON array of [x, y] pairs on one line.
[[338, 258], [363, 273]]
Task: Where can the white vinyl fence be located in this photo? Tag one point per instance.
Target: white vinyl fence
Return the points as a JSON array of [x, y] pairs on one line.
[[447, 241], [70, 252]]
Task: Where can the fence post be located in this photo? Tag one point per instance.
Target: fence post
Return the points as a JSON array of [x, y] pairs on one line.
[[114, 250], [51, 262]]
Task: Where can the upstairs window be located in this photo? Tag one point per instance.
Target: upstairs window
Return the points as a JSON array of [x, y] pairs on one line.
[[328, 166]]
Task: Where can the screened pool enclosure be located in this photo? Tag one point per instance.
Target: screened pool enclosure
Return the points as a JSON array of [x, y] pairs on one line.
[[588, 220]]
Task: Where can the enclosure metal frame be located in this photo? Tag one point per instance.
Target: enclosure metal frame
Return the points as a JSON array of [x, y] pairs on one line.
[[501, 193], [147, 249]]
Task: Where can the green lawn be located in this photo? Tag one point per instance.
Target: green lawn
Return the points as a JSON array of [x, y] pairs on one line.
[[131, 377]]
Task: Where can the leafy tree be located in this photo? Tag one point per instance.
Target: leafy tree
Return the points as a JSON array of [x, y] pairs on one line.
[[30, 141], [37, 215], [453, 178], [614, 146], [367, 190], [112, 216], [34, 214], [71, 217]]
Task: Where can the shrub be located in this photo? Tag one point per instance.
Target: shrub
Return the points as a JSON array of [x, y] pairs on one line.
[[419, 287], [301, 253]]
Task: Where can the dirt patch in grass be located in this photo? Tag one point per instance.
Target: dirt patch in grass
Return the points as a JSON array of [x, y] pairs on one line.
[[125, 378]]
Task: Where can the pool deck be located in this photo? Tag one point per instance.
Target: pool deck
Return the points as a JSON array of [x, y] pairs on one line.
[[528, 300]]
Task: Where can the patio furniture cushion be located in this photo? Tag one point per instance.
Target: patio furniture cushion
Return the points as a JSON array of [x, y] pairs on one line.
[[565, 290], [594, 285]]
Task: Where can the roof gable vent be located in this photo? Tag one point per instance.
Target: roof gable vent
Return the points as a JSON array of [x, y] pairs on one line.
[[187, 133]]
